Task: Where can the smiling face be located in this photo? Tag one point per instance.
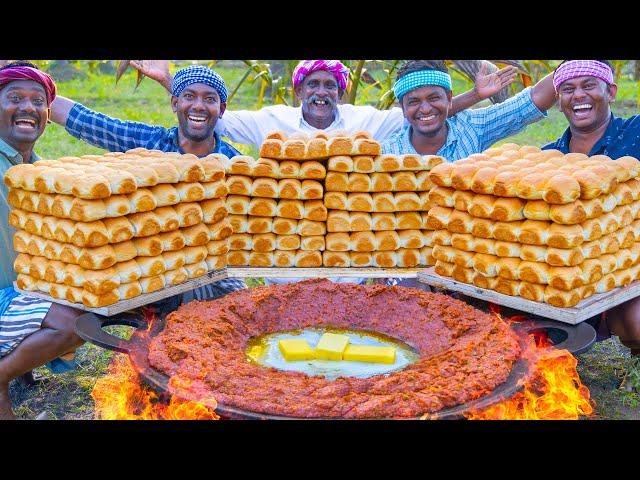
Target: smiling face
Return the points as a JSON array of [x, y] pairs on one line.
[[319, 94], [585, 102], [198, 108], [23, 112], [426, 109]]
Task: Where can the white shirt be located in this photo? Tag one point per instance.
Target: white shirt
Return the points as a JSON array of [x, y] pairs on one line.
[[252, 126]]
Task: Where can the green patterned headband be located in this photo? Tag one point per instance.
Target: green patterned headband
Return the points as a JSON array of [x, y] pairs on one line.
[[421, 78]]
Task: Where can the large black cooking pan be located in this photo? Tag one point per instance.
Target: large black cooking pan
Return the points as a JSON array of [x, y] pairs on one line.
[[90, 327]]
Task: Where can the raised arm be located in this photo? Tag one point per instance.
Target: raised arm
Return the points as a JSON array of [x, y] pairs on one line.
[[543, 93], [157, 70], [99, 129], [60, 109], [486, 85]]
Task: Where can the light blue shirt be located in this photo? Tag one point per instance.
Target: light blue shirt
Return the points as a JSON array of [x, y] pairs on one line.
[[474, 130]]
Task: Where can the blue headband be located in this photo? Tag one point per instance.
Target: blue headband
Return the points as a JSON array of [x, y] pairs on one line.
[[198, 74], [421, 78]]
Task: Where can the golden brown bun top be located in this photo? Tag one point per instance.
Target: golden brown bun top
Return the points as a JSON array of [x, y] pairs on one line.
[[276, 135], [318, 145], [361, 134], [321, 134], [531, 173], [124, 172]]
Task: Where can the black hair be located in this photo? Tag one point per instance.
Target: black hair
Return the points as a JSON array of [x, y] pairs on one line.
[[20, 63], [417, 65]]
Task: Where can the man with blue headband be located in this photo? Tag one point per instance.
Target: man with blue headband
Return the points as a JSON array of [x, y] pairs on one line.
[[423, 88], [198, 98]]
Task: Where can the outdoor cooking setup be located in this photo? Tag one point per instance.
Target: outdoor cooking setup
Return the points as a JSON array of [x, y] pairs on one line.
[[573, 338], [550, 235]]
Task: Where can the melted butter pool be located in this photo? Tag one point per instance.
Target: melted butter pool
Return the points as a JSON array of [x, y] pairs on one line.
[[264, 351]]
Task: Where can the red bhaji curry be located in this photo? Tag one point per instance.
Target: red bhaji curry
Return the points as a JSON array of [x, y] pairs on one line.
[[464, 353]]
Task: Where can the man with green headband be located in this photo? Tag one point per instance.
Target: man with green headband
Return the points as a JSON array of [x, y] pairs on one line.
[[423, 88]]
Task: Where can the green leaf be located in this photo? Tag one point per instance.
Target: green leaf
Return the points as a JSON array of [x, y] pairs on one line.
[[514, 63]]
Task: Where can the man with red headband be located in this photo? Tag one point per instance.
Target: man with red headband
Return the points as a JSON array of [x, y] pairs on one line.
[[32, 331], [586, 91]]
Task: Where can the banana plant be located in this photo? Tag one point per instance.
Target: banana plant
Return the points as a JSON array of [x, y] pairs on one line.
[[617, 68], [470, 69], [365, 76]]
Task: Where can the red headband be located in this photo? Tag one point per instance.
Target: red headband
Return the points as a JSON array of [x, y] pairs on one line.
[[12, 74]]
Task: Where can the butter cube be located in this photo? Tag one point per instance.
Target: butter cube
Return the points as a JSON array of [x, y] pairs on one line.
[[294, 349], [331, 346], [365, 353]]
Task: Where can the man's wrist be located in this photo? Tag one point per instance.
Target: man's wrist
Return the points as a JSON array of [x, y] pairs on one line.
[[478, 97], [166, 82]]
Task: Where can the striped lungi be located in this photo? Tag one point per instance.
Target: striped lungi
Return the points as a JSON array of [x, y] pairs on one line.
[[214, 290], [20, 316]]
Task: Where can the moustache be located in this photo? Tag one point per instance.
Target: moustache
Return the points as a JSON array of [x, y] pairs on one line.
[[314, 98]]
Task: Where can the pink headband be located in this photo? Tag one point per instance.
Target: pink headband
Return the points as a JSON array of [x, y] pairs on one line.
[[582, 68], [337, 68], [12, 74]]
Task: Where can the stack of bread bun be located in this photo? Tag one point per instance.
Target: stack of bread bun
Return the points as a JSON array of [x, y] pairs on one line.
[[537, 224], [276, 202], [98, 229], [378, 210]]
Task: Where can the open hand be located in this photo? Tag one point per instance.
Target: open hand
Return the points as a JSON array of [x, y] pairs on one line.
[[488, 84], [157, 70]]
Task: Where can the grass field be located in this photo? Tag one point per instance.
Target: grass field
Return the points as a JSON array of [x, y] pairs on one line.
[[67, 396]]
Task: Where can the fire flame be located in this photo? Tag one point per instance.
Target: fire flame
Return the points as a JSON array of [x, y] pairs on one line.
[[553, 390], [119, 395]]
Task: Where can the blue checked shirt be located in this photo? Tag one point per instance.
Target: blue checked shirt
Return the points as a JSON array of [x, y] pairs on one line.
[[621, 138], [474, 130], [119, 136]]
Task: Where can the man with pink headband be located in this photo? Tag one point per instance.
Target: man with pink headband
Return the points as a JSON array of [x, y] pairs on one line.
[[585, 91], [32, 331]]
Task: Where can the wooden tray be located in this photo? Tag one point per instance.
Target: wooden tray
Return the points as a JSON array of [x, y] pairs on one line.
[[231, 272], [140, 300], [587, 308], [321, 272]]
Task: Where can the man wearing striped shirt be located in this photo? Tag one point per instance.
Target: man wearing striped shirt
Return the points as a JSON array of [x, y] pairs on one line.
[[32, 331], [423, 88], [198, 98]]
